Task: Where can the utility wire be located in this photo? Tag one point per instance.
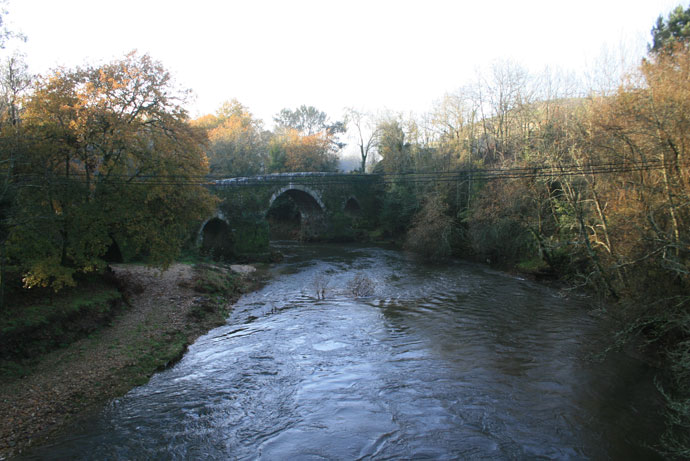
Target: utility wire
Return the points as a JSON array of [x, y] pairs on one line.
[[539, 171]]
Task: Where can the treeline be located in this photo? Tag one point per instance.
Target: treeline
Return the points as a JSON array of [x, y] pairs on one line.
[[594, 189], [304, 139], [103, 162]]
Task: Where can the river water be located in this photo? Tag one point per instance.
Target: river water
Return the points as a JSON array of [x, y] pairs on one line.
[[453, 361]]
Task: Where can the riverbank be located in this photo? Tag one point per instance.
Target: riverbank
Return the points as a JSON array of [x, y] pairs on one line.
[[166, 312]]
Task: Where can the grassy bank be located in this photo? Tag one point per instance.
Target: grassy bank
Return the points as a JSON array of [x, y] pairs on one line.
[[144, 326]]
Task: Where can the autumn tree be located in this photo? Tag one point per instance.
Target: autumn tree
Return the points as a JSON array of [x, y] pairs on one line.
[[431, 232], [304, 140], [110, 158], [293, 152], [237, 144], [644, 127]]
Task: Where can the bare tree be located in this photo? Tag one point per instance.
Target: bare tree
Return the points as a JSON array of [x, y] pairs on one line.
[[366, 132]]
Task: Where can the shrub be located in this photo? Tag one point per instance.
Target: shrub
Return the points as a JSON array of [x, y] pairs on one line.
[[431, 232], [361, 286]]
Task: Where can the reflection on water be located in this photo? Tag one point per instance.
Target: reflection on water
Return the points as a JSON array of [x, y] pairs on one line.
[[442, 362]]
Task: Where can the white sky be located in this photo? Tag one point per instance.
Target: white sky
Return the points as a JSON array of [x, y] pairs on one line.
[[397, 55]]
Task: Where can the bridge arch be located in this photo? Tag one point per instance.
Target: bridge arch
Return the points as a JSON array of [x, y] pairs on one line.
[[351, 206], [300, 194], [217, 216], [215, 237], [309, 206]]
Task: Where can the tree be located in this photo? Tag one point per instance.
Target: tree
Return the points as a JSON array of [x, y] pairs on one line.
[[502, 100], [365, 132], [14, 82], [393, 147], [644, 232], [237, 142], [291, 151], [672, 32], [110, 157], [304, 140], [432, 229], [307, 120]]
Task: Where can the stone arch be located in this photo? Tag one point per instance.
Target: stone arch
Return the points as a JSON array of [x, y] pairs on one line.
[[215, 237], [351, 206], [312, 211], [217, 215], [300, 197]]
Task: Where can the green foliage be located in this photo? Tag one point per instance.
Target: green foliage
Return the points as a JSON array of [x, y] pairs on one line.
[[150, 354], [108, 153], [400, 203], [27, 331], [394, 148], [672, 32], [219, 285], [340, 228], [251, 237], [214, 280], [277, 158]]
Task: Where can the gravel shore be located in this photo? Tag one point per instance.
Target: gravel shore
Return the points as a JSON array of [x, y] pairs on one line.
[[151, 333]]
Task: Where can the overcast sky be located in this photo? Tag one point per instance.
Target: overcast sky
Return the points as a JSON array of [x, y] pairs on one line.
[[372, 54]]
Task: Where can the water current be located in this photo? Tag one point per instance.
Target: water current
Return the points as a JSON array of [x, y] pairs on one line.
[[452, 361]]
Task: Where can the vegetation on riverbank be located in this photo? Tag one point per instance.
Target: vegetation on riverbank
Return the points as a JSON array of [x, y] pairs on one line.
[[591, 188], [35, 325], [157, 316]]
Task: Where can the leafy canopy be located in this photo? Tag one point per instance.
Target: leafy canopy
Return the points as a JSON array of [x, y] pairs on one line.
[[109, 156], [237, 141]]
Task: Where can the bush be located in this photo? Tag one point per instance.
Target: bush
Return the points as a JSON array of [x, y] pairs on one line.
[[432, 230], [361, 286], [214, 280]]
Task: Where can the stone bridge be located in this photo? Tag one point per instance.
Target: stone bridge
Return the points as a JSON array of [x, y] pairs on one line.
[[331, 207]]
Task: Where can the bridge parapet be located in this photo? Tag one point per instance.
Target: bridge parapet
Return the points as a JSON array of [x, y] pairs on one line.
[[315, 178]]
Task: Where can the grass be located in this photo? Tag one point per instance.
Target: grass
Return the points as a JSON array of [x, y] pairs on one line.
[[40, 325], [150, 354], [532, 265]]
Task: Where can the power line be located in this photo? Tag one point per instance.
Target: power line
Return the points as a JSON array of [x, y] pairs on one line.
[[537, 171]]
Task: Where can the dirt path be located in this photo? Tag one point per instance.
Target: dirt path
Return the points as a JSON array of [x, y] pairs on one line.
[[153, 331]]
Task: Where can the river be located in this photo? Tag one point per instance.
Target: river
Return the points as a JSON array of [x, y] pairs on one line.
[[451, 361]]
